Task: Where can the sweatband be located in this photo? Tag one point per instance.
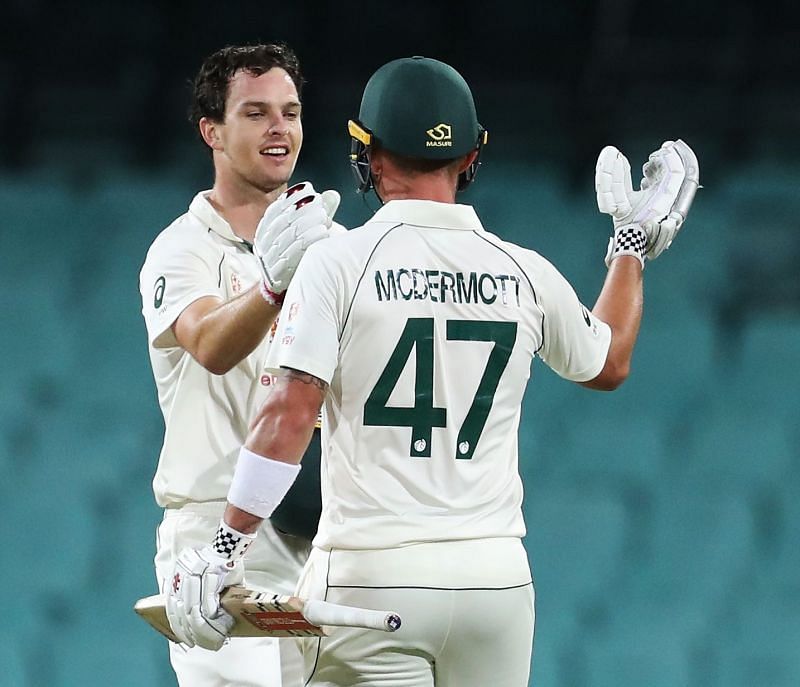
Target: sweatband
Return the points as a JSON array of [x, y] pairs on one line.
[[259, 483]]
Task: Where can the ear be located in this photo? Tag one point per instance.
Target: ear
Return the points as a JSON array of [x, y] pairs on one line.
[[210, 131], [376, 162], [469, 158]]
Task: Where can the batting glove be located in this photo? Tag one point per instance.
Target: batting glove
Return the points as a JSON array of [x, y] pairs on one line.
[[299, 217], [648, 220], [193, 593]]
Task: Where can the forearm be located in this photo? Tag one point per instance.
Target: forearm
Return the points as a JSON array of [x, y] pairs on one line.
[[226, 334], [278, 438], [280, 435], [620, 306], [241, 520]]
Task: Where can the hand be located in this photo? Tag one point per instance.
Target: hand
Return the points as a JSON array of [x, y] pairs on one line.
[[646, 221], [193, 607], [299, 217]]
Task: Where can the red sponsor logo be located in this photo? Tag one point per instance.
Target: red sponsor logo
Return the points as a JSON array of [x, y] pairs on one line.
[[277, 620], [176, 583]]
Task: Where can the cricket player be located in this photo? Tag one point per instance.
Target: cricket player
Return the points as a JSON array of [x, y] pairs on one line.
[[416, 333], [212, 285]]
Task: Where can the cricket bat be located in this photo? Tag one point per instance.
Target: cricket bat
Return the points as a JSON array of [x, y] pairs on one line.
[[264, 614]]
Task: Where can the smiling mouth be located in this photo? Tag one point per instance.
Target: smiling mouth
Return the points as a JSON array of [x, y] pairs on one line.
[[274, 151]]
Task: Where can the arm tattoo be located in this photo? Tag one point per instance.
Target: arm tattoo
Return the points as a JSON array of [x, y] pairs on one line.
[[296, 375]]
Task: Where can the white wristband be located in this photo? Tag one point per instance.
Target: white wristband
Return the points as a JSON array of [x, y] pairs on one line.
[[259, 483]]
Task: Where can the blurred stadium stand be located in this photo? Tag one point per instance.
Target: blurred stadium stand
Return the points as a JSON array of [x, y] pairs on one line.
[[663, 519]]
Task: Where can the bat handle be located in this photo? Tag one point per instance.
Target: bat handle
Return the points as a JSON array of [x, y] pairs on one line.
[[337, 615]]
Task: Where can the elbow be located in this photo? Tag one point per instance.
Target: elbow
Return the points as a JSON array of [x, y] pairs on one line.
[[616, 375], [219, 370], [613, 382], [215, 364], [611, 377]]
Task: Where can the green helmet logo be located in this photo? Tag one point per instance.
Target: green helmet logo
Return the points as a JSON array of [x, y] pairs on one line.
[[441, 134]]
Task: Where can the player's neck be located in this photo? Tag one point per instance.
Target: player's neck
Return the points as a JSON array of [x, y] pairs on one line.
[[422, 187], [242, 206]]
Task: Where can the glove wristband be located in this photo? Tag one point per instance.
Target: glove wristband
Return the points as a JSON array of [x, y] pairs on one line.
[[629, 239], [231, 544], [270, 296]]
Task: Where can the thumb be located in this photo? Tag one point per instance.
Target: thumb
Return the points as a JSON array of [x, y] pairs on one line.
[[330, 201]]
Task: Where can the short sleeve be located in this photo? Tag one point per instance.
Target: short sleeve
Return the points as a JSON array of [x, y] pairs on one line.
[[173, 277], [307, 338], [574, 342]]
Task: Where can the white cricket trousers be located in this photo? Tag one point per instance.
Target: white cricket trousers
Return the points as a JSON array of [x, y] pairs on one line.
[[273, 563], [467, 611]]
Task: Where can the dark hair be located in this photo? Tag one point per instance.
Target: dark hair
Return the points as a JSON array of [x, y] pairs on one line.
[[212, 83]]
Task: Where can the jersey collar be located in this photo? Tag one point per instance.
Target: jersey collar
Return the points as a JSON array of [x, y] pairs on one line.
[[201, 208], [428, 213]]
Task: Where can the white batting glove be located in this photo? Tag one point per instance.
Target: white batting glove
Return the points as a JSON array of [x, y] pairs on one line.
[[192, 595], [299, 217], [646, 221]]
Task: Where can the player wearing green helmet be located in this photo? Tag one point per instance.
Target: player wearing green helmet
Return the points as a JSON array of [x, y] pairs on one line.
[[390, 118], [416, 333]]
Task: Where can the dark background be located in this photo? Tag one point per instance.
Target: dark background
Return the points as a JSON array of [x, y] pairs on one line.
[[663, 520], [552, 80]]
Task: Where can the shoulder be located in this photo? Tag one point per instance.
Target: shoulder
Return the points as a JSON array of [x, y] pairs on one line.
[[346, 241], [543, 276], [340, 258], [528, 259], [186, 236], [184, 230]]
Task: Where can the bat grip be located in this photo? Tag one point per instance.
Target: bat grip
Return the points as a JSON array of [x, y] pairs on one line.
[[326, 613]]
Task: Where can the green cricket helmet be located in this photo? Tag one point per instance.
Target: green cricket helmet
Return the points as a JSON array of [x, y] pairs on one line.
[[416, 107]]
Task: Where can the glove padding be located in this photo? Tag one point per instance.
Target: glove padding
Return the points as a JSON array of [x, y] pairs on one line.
[[299, 217], [659, 208], [192, 597]]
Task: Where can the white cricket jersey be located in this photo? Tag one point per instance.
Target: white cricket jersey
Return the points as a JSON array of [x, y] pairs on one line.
[[206, 415], [425, 326]]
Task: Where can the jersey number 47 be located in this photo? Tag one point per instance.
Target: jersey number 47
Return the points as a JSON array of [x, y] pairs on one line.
[[423, 416]]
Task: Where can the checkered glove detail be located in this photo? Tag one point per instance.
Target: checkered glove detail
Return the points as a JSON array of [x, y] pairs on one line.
[[630, 239], [671, 177], [193, 590], [230, 544]]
